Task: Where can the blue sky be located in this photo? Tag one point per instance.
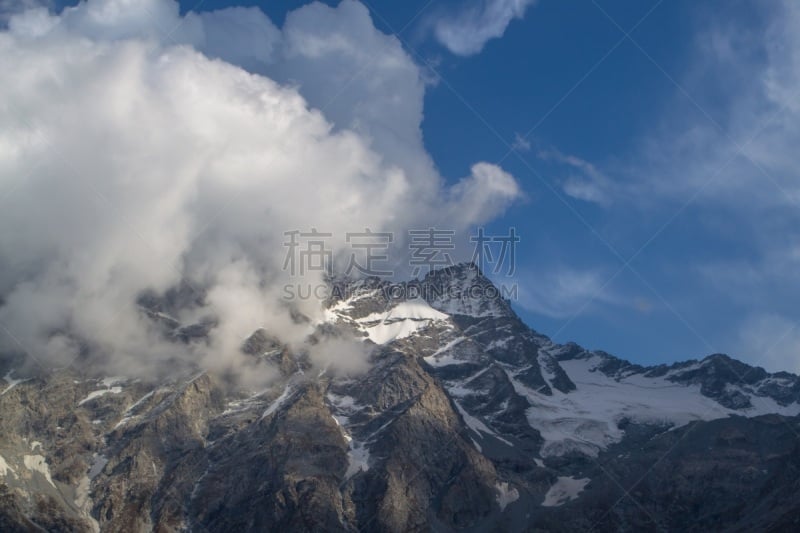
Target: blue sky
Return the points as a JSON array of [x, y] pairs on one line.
[[661, 204]]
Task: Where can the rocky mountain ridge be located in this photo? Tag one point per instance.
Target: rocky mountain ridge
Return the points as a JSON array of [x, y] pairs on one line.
[[466, 419]]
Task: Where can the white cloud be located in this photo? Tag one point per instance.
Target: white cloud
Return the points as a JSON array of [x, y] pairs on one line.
[[520, 144], [731, 148], [729, 131], [467, 32], [129, 163], [362, 79], [12, 7], [735, 135], [771, 341], [487, 190], [564, 292], [584, 181]]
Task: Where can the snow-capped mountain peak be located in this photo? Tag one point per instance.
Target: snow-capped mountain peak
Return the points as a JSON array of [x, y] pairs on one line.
[[466, 418], [504, 376]]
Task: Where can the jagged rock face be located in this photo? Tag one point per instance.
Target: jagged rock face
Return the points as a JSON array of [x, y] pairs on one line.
[[465, 420]]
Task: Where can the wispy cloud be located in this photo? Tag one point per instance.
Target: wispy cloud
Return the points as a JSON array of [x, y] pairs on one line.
[[771, 341], [521, 144], [583, 181], [718, 164], [466, 32], [562, 292]]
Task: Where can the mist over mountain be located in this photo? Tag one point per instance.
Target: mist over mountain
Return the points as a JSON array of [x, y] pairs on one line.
[[188, 171], [462, 418]]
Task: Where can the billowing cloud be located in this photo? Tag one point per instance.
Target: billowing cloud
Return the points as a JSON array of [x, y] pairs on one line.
[[487, 190], [142, 151], [466, 33]]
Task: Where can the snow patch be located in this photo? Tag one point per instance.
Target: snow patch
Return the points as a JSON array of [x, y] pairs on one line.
[[563, 490], [401, 321], [274, 406], [476, 425], [443, 360], [417, 309], [129, 413], [545, 361], [505, 495], [449, 346], [96, 394], [343, 407], [586, 420], [114, 380], [340, 421], [122, 422], [11, 381], [37, 463], [139, 402], [762, 405], [498, 344], [358, 457], [441, 357], [5, 468], [343, 403]]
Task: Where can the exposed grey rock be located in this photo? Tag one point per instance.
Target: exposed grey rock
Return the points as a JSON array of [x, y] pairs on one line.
[[446, 430]]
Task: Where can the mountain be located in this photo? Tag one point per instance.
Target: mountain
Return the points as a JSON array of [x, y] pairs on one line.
[[466, 419]]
